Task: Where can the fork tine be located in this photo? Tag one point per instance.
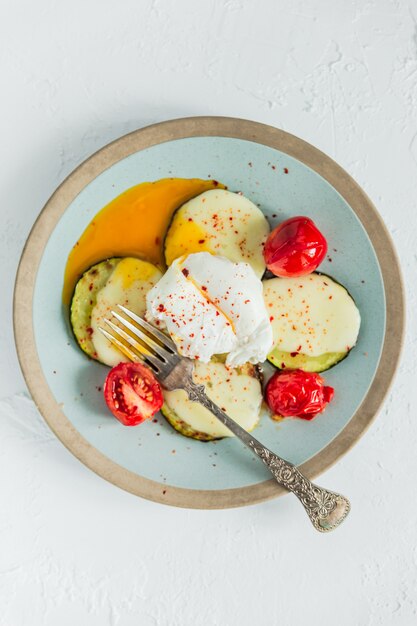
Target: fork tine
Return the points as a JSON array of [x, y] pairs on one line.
[[166, 341], [147, 358], [120, 346], [148, 341]]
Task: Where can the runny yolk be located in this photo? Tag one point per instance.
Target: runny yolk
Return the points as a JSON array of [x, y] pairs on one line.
[[133, 224], [187, 237]]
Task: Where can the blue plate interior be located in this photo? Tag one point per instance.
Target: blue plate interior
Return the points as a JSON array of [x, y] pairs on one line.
[[154, 450]]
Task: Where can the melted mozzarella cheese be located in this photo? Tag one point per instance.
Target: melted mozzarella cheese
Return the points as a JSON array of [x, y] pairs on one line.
[[128, 285], [239, 394], [212, 306], [312, 315], [223, 223]]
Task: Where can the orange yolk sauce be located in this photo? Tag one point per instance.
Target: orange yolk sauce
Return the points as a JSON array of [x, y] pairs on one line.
[[133, 224]]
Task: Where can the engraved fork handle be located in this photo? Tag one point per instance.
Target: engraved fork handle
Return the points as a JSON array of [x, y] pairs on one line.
[[325, 509]]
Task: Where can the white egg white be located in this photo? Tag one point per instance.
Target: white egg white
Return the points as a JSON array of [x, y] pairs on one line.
[[212, 306]]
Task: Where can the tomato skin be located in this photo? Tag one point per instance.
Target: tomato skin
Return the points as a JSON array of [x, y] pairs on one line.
[[294, 248], [132, 393], [295, 393]]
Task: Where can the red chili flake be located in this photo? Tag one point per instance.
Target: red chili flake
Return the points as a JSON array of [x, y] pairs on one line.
[[90, 286], [283, 366], [299, 348], [329, 259], [271, 319], [215, 216], [185, 271], [246, 301], [330, 297], [190, 219], [201, 240], [155, 421], [157, 241], [285, 170], [215, 183], [204, 288], [89, 330], [273, 167], [191, 335], [217, 313], [161, 308], [294, 354]]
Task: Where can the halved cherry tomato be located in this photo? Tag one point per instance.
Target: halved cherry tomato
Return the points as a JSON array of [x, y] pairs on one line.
[[132, 393], [294, 248], [295, 393]]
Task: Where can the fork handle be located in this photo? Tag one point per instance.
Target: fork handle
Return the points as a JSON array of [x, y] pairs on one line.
[[325, 509]]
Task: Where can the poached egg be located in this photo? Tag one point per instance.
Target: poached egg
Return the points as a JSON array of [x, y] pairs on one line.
[[210, 305]]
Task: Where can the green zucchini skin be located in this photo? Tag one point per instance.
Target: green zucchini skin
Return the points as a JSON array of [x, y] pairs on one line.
[[84, 300], [183, 428], [321, 363]]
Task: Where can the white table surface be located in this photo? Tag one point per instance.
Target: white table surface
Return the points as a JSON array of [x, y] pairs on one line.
[[75, 550]]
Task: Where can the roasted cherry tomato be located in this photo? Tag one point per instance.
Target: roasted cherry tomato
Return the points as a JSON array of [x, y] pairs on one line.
[[295, 393], [132, 393], [295, 247]]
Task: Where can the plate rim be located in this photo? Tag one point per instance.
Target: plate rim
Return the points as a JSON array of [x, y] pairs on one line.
[[142, 138]]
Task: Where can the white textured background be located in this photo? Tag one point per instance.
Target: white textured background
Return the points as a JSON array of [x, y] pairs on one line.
[[341, 74]]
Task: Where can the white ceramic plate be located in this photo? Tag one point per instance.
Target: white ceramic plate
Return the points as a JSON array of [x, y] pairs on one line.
[[285, 177]]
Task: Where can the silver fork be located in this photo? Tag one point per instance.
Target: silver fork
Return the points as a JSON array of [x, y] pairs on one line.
[[139, 340]]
